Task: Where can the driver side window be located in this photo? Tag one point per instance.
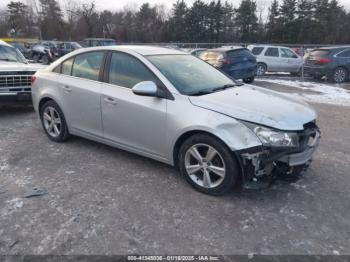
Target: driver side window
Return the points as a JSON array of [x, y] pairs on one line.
[[127, 71]]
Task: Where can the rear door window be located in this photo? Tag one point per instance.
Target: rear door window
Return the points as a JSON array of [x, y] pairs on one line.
[[88, 65], [287, 53], [67, 67], [344, 54], [207, 56], [319, 53], [272, 52], [239, 53], [257, 50]]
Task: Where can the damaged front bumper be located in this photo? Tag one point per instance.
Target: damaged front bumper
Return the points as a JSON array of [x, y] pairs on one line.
[[265, 164]]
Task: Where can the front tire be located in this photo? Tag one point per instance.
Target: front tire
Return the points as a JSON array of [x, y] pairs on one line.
[[36, 58], [208, 165], [45, 60], [54, 122]]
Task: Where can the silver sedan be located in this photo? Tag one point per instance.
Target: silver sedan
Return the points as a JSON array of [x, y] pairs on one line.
[[173, 107]]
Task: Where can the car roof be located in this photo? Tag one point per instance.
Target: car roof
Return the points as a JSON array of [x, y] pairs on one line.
[[330, 48], [105, 39], [277, 46], [140, 49], [226, 48]]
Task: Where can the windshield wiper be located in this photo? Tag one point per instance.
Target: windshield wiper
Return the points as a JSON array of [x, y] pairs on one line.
[[200, 92], [224, 87], [8, 60]]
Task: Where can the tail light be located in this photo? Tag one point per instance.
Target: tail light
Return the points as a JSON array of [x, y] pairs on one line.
[[225, 61], [32, 79], [323, 61]]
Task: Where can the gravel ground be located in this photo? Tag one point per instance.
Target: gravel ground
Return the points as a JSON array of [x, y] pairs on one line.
[[103, 200]]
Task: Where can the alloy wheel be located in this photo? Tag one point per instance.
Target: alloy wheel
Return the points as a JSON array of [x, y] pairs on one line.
[[260, 70], [339, 75], [52, 121], [205, 166]]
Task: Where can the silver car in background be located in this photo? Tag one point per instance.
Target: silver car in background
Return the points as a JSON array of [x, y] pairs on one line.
[[175, 108], [276, 59]]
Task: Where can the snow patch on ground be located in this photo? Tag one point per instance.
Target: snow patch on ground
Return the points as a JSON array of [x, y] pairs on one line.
[[324, 94]]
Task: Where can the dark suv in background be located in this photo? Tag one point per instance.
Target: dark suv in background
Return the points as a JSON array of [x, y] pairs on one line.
[[237, 62], [332, 62]]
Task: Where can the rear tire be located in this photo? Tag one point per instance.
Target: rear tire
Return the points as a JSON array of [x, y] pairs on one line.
[[54, 122], [317, 77], [339, 75], [299, 73], [208, 165], [261, 69], [249, 80]]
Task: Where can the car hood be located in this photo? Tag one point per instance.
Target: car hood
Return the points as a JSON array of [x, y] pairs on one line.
[[258, 105], [14, 66]]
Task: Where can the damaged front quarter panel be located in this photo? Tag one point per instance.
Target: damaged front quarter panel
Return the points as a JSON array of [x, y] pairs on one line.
[[267, 163]]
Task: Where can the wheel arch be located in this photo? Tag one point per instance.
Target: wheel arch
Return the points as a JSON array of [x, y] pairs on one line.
[[183, 137], [262, 63], [42, 101], [46, 98]]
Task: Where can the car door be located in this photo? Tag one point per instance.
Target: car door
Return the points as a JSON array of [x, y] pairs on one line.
[[272, 59], [292, 62], [80, 92], [132, 121], [343, 58]]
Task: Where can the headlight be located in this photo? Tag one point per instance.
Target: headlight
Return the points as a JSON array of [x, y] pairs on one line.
[[276, 138]]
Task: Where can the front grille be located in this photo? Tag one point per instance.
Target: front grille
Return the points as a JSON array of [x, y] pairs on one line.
[[14, 81]]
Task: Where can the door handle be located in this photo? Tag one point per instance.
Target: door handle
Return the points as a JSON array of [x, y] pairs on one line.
[[67, 89], [110, 100]]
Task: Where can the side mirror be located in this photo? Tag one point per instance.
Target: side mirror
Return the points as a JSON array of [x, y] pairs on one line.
[[146, 88]]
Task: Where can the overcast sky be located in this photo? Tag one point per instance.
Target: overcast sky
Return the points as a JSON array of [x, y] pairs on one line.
[[119, 4]]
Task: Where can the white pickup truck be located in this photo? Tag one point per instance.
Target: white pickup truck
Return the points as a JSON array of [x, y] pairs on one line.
[[15, 75]]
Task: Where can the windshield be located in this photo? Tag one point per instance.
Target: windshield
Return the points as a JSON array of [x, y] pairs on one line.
[[190, 75], [107, 42], [11, 54], [76, 45]]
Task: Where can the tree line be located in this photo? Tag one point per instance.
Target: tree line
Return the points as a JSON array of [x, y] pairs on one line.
[[284, 21]]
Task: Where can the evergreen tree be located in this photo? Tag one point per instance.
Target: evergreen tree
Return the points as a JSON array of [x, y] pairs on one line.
[[287, 23], [51, 20], [177, 22], [246, 21], [304, 21], [272, 25], [196, 21], [228, 23], [17, 17]]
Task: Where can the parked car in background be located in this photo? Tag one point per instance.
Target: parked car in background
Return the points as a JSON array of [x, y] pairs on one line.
[[15, 75], [198, 51], [276, 59], [44, 52], [171, 106], [91, 42], [332, 62], [24, 48], [238, 63], [64, 48]]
